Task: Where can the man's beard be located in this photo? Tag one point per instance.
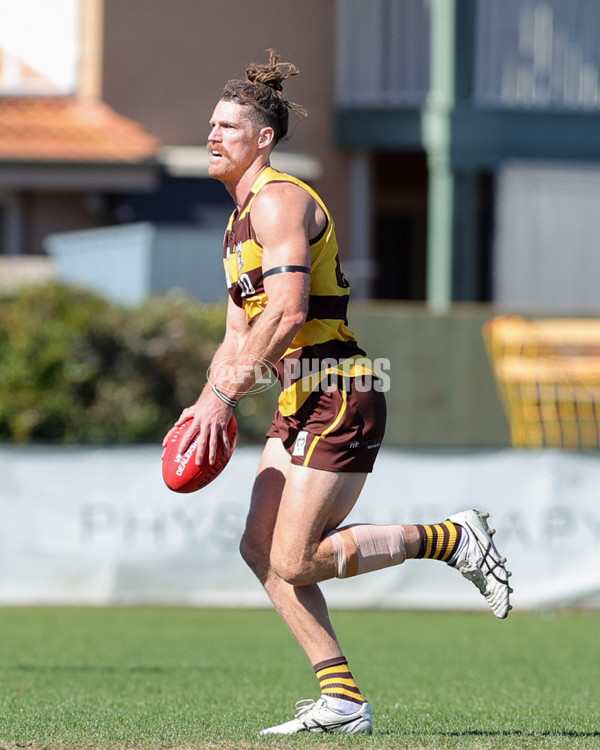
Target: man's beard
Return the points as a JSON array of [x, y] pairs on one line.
[[219, 168]]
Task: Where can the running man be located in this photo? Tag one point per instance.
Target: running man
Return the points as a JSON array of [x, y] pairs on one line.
[[287, 305]]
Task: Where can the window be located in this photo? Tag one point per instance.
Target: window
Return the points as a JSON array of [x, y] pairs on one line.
[[3, 243], [39, 46], [383, 52], [538, 53], [10, 222]]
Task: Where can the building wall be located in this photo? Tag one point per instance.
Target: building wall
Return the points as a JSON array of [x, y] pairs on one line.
[[44, 213], [166, 61]]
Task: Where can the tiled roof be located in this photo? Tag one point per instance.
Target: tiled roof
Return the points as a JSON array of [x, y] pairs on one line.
[[60, 129]]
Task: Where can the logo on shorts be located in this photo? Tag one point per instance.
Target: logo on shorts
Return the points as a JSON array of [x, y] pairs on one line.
[[358, 444], [300, 444]]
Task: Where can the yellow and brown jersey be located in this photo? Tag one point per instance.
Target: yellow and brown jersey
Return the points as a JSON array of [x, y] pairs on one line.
[[324, 345]]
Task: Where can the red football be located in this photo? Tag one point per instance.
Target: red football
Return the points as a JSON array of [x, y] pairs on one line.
[[181, 473]]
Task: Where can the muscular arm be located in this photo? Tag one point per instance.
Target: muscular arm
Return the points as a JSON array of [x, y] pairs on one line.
[[210, 416], [282, 216], [236, 332]]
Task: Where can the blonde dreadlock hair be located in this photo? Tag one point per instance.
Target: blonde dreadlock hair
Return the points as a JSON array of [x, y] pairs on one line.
[[262, 93]]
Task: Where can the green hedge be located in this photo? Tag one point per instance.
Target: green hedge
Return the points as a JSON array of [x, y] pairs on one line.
[[75, 368]]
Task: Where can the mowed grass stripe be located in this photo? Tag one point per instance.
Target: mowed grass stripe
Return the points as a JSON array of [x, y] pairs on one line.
[[150, 678]]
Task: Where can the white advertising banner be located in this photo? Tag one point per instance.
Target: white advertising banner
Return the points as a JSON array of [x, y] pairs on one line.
[[98, 526]]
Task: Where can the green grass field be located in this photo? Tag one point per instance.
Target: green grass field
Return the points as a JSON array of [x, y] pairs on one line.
[[150, 678]]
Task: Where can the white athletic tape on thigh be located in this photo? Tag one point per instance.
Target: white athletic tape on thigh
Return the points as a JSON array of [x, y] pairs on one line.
[[361, 548]]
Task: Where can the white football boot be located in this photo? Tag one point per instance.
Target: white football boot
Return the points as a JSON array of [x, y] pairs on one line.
[[317, 716], [479, 561]]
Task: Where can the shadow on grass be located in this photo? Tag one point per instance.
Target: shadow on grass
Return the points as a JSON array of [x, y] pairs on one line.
[[518, 733], [499, 733], [101, 668]]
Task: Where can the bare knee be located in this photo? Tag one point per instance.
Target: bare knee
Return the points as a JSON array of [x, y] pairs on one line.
[[255, 555], [292, 569]]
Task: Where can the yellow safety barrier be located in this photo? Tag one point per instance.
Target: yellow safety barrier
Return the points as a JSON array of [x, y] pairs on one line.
[[548, 375]]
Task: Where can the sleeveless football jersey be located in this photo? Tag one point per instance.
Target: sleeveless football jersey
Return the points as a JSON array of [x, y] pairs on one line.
[[324, 345]]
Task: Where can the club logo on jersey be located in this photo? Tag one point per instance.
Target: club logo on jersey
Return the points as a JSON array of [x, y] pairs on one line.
[[238, 253], [300, 444]]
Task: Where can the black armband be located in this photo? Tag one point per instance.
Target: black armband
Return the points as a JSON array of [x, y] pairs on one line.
[[286, 269]]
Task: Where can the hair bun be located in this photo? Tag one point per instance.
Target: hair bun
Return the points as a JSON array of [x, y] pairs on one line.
[[271, 78], [262, 93], [273, 74]]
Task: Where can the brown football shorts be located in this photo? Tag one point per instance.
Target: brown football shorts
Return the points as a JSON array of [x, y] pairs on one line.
[[339, 430]]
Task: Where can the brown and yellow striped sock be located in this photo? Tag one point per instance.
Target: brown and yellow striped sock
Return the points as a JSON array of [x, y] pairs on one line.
[[439, 541], [336, 681]]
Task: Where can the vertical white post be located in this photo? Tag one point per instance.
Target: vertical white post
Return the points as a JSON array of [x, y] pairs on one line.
[[437, 136]]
